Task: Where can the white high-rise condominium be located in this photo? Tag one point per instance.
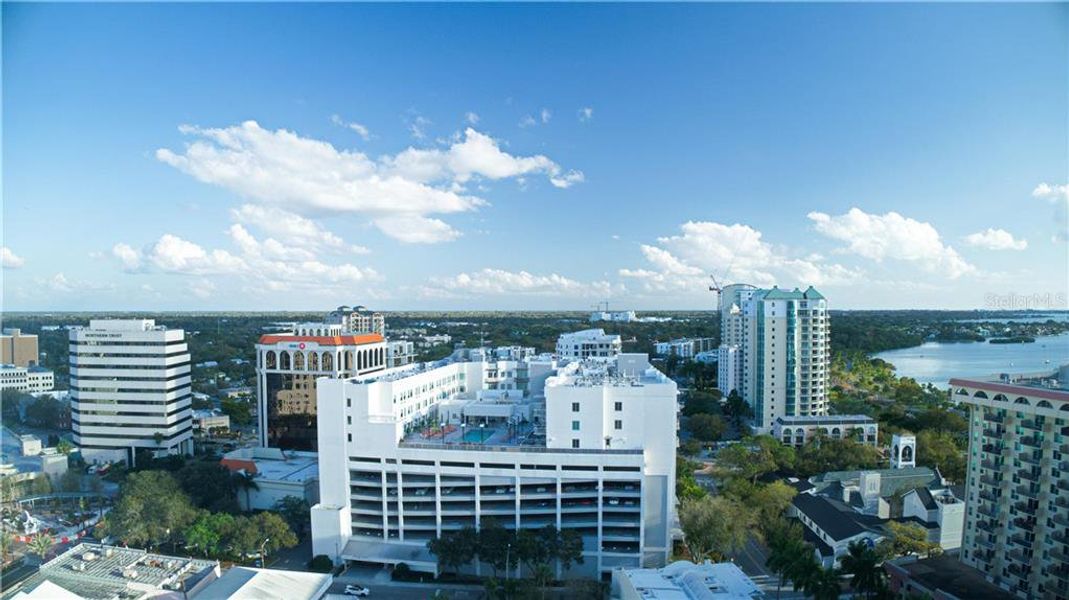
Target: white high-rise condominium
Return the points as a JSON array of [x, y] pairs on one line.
[[409, 453], [130, 389], [782, 337]]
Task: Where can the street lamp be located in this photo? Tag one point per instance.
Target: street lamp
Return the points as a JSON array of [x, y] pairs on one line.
[[263, 553], [443, 430], [482, 432]]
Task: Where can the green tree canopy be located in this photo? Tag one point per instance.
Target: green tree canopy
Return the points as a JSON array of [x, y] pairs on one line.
[[714, 526], [152, 509]]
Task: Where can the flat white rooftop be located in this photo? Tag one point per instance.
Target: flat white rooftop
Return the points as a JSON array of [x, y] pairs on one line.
[[684, 580]]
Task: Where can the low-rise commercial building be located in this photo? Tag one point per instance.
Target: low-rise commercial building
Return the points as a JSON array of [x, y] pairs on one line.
[[98, 572], [32, 379], [796, 431], [941, 577], [245, 583], [209, 420], [276, 473], [687, 348], [684, 580]]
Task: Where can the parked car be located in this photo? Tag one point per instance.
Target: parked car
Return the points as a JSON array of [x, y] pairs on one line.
[[357, 590]]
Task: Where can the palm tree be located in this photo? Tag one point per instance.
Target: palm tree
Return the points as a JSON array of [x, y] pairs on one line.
[[245, 481], [863, 563], [40, 545], [787, 555], [823, 584]]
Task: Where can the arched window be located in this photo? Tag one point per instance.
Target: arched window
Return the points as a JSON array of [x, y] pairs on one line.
[[980, 394], [786, 435], [835, 432], [298, 361], [962, 392], [348, 360], [1065, 407], [907, 453], [313, 361], [1043, 404], [361, 360], [1000, 398], [284, 360], [328, 361], [1022, 400], [270, 360]]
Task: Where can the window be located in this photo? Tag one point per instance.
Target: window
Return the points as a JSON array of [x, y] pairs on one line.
[[575, 425], [619, 406], [575, 443], [350, 436], [348, 420], [575, 407], [619, 424]]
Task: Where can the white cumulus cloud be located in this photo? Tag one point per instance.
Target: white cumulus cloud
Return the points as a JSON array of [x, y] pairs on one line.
[[892, 236], [128, 257], [995, 239], [10, 260], [585, 114], [310, 177], [1052, 192], [733, 253], [500, 282]]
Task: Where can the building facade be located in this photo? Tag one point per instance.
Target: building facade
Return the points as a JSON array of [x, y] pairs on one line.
[[782, 339], [588, 343], [687, 348], [17, 348], [409, 453], [358, 319], [26, 379], [1017, 521], [130, 389], [287, 366], [796, 431]]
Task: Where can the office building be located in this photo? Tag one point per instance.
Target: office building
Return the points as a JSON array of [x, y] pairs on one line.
[[942, 577], [17, 348], [130, 390], [1017, 524], [30, 379], [408, 453], [287, 366], [781, 342], [588, 343]]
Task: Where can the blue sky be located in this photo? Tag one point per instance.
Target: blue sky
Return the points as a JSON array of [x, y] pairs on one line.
[[264, 157]]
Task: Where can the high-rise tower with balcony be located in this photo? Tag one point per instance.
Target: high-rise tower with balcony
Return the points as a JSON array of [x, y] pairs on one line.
[[1017, 492], [775, 351]]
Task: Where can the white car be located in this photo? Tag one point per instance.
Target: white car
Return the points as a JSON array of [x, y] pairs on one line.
[[357, 590]]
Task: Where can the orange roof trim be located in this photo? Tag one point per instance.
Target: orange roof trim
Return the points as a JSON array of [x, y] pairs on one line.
[[325, 340], [239, 464]]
